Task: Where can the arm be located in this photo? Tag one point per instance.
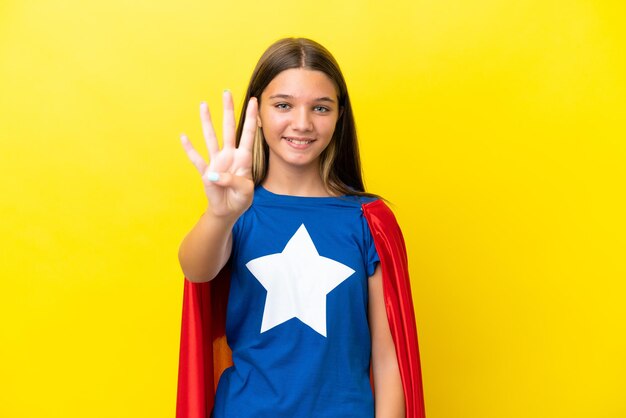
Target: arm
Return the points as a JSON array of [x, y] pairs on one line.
[[229, 189], [388, 391], [206, 248]]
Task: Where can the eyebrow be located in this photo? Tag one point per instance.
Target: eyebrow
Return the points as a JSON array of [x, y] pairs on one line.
[[288, 96]]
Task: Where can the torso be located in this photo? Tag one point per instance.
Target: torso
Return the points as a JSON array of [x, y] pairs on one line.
[[297, 310]]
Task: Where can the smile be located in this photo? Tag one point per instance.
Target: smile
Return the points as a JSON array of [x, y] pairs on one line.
[[298, 141]]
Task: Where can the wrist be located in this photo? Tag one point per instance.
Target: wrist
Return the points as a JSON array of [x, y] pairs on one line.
[[226, 219]]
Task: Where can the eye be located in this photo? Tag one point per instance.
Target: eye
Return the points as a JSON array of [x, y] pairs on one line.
[[321, 109], [282, 106]]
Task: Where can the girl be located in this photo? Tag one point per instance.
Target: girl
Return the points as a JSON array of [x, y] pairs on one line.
[[297, 248]]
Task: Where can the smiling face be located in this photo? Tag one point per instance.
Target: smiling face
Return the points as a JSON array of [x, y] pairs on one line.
[[298, 114]]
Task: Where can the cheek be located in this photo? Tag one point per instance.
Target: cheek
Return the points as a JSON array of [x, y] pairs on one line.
[[274, 123], [329, 128]]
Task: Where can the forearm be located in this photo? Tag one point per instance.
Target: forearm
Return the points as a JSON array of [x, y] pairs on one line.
[[206, 248], [388, 392]]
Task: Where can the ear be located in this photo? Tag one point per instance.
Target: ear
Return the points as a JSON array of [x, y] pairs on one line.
[[258, 121], [340, 113]]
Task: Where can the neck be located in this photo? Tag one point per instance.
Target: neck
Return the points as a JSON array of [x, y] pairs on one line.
[[295, 181]]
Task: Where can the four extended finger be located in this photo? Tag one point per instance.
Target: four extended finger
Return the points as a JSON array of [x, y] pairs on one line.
[[193, 155], [229, 120], [249, 125], [208, 131]]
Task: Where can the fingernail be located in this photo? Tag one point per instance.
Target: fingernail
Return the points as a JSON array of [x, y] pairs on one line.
[[212, 176], [203, 104], [226, 90]]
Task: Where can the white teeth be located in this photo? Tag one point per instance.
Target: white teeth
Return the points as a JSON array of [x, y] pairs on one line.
[[298, 142]]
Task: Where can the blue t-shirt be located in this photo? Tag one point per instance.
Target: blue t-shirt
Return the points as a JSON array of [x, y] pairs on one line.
[[297, 310]]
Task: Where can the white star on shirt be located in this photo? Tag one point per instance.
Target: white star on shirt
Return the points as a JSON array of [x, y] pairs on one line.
[[297, 282]]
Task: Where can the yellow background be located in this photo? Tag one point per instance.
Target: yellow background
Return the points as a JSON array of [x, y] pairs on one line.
[[496, 128]]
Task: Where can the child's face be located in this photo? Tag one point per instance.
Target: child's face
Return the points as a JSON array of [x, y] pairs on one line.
[[298, 113]]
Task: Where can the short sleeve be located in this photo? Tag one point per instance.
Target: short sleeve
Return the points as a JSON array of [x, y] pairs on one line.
[[372, 258]]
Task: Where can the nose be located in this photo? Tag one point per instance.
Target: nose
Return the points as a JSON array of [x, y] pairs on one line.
[[302, 120]]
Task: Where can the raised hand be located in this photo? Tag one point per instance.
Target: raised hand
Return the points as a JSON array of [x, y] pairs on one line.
[[227, 178]]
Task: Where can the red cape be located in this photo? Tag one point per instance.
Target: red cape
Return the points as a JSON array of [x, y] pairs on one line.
[[204, 353]]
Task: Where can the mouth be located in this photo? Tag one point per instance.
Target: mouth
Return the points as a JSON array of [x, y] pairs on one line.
[[300, 142]]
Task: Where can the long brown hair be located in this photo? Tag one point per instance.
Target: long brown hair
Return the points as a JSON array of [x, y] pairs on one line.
[[340, 163]]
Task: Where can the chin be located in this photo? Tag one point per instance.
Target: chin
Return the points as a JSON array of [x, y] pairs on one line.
[[298, 161]]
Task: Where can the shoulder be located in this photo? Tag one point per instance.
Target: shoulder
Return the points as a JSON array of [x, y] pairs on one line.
[[380, 217], [362, 198]]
